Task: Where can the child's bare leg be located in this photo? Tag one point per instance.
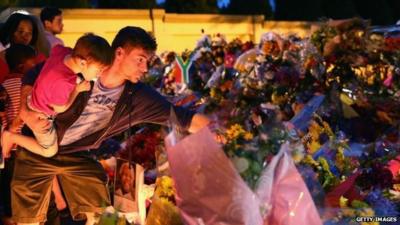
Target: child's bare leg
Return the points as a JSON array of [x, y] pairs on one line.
[[29, 143], [58, 197]]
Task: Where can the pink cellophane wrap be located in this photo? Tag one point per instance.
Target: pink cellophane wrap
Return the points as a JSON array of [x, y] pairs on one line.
[[211, 191], [284, 195]]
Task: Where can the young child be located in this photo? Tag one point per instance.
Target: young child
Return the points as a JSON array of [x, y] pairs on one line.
[[20, 58], [56, 89]]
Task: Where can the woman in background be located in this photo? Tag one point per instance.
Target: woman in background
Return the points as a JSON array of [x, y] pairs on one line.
[[21, 29]]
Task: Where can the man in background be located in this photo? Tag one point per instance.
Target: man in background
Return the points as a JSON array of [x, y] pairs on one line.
[[52, 20]]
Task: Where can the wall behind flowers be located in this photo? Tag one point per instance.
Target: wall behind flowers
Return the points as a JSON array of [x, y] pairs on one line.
[[173, 31]]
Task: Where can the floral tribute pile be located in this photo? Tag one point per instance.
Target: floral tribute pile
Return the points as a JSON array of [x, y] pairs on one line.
[[334, 96]]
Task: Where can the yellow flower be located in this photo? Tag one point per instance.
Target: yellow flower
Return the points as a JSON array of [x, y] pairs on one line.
[[343, 202], [370, 80], [234, 132], [360, 71], [248, 136], [313, 147], [367, 212], [370, 69], [213, 93], [164, 187], [166, 181], [330, 68], [310, 161], [369, 223], [278, 99], [349, 212], [327, 129], [314, 130]]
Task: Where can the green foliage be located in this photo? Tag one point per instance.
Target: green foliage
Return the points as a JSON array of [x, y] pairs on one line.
[[258, 7]]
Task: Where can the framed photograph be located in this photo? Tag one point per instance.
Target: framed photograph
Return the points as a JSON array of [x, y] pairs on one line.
[[128, 185]]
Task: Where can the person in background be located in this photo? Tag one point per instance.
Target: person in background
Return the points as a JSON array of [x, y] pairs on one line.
[[20, 58], [18, 29], [52, 20]]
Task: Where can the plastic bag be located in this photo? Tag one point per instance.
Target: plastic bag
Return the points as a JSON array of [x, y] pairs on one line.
[[210, 190], [284, 194]]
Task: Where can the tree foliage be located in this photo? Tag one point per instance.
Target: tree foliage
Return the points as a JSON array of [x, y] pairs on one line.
[[127, 4], [395, 6], [257, 7], [379, 12], [7, 3], [339, 9], [308, 10], [192, 6], [57, 3], [382, 12]]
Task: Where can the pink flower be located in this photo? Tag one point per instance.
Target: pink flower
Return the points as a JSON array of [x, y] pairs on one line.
[[394, 166], [389, 80]]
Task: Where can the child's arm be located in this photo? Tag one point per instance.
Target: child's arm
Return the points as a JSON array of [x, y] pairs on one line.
[[15, 124], [34, 120], [83, 86]]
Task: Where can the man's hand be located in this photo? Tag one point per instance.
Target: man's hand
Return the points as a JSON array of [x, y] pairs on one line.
[[217, 130], [198, 122], [83, 86]]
